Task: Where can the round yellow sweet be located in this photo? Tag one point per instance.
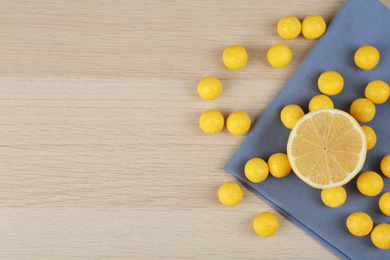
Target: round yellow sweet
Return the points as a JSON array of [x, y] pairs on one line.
[[380, 236], [235, 57], [385, 165], [238, 123], [209, 88], [290, 115], [334, 197], [266, 224], [279, 165], [362, 109], [370, 136], [367, 57], [359, 224], [256, 170], [279, 55], [211, 121], [319, 102], [289, 27], [313, 27], [377, 91], [330, 83], [370, 183], [230, 194], [384, 203]]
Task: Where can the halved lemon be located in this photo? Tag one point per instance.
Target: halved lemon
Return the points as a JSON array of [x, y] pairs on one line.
[[327, 148]]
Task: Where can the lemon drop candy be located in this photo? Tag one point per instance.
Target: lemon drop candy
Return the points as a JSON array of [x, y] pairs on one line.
[[370, 183], [230, 194], [313, 27], [289, 27], [367, 57], [209, 88], [235, 57], [362, 109], [279, 165], [377, 91], [380, 236], [256, 170], [211, 121], [238, 123], [384, 203], [290, 114], [330, 83], [279, 55], [319, 102], [334, 197], [385, 165], [359, 224], [266, 224], [370, 136]]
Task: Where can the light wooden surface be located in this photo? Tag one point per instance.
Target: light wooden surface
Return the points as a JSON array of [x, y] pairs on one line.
[[101, 153]]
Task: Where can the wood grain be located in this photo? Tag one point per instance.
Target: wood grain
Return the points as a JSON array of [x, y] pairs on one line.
[[101, 153]]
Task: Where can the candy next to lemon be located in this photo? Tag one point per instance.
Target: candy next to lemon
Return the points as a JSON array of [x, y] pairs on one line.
[[290, 114], [334, 197], [235, 57], [359, 224], [370, 183], [209, 88], [238, 123], [313, 27], [266, 224], [362, 109], [385, 165], [230, 194], [330, 83], [380, 236], [289, 27], [211, 121], [370, 136], [320, 101], [279, 55], [377, 91], [384, 203], [278, 165], [367, 57], [256, 170]]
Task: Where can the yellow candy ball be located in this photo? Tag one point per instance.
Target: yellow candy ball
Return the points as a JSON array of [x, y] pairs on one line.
[[370, 183], [384, 203], [313, 27], [319, 102], [377, 91], [290, 115], [230, 194], [380, 236], [362, 109], [279, 165], [209, 88], [235, 57], [289, 27], [238, 123], [266, 224], [334, 197], [367, 57], [211, 121], [359, 224], [256, 170], [370, 136], [385, 165], [279, 55], [330, 83]]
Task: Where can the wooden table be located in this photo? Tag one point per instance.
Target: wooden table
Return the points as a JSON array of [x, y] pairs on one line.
[[101, 153]]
